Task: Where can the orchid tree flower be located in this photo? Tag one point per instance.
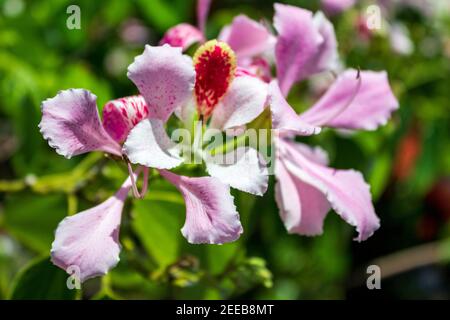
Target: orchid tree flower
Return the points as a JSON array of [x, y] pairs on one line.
[[221, 98], [133, 129], [89, 240], [306, 187], [306, 45], [165, 78]]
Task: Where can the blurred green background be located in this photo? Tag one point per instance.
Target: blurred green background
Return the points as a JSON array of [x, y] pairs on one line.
[[407, 163]]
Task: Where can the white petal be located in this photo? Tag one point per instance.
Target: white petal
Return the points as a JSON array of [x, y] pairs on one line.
[[211, 215], [244, 101], [149, 145], [243, 169]]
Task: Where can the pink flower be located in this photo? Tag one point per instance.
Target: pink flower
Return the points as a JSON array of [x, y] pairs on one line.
[[306, 188], [226, 82], [89, 240], [168, 81]]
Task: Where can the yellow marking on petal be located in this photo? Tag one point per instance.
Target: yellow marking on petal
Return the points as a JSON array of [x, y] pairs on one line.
[[215, 67]]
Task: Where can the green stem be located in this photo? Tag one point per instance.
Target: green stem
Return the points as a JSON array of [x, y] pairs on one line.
[[230, 145], [12, 185], [67, 182], [72, 204]]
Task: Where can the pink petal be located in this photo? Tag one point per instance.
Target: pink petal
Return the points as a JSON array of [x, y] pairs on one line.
[[284, 119], [298, 44], [121, 115], [89, 240], [303, 208], [182, 35], [244, 101], [333, 7], [256, 40], [346, 190], [211, 215], [71, 124], [313, 154], [327, 57], [149, 145], [244, 169], [165, 78], [349, 104], [203, 7]]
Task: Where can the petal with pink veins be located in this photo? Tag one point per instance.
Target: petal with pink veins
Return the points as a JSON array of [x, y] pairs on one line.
[[297, 45], [182, 35], [244, 101], [165, 78], [352, 103], [149, 145], [89, 240], [211, 215], [284, 119], [347, 192], [256, 41], [243, 168], [303, 208], [327, 57], [314, 154], [71, 124]]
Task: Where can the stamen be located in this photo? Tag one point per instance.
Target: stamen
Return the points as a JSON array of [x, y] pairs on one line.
[[215, 66], [134, 188], [144, 183]]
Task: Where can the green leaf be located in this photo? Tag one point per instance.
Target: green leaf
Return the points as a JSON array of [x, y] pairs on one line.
[[163, 14], [158, 224], [42, 280], [219, 257], [428, 168], [126, 282], [379, 174], [33, 218]]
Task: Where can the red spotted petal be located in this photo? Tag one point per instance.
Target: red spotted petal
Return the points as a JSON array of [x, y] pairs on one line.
[[215, 65], [121, 115]]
